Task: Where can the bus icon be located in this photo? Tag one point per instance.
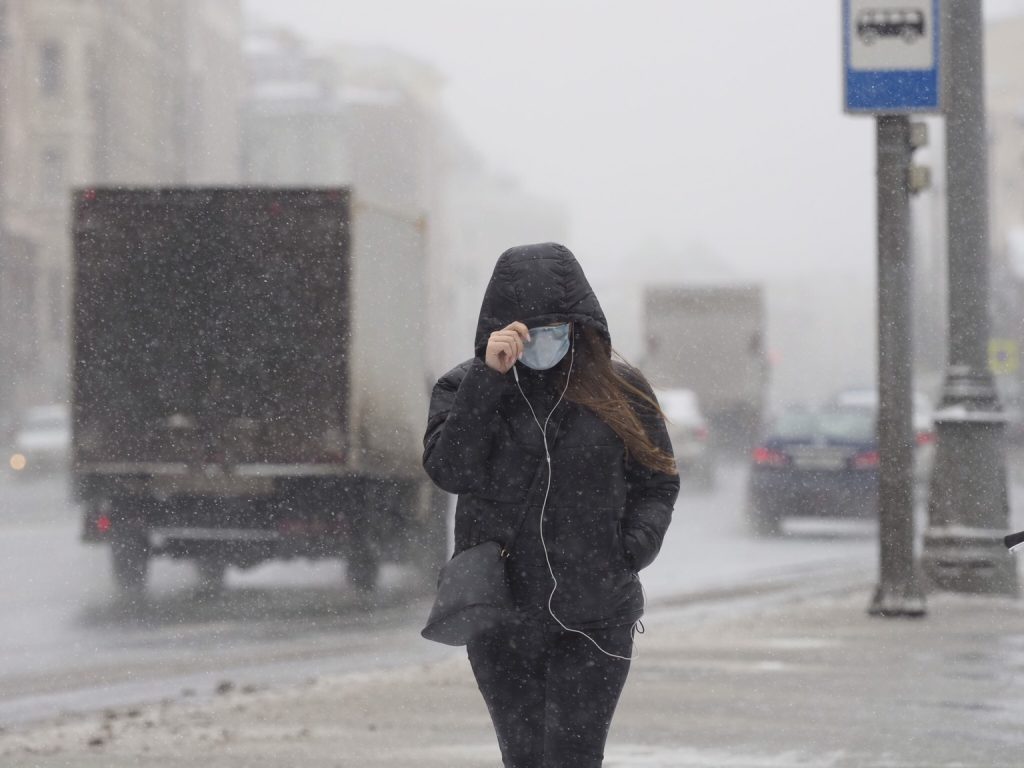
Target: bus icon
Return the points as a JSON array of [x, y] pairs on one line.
[[907, 24]]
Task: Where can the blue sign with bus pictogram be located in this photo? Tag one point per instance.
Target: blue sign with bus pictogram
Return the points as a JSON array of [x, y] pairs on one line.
[[891, 56]]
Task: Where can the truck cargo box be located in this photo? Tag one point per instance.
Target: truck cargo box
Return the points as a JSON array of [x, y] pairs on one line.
[[262, 330], [710, 339], [249, 379]]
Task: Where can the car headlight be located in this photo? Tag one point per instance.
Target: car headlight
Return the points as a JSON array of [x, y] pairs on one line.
[[18, 462]]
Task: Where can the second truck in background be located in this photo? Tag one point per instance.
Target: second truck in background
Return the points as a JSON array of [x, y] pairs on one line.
[[710, 339]]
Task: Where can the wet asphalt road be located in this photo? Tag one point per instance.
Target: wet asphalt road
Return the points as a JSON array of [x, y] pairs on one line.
[[68, 644]]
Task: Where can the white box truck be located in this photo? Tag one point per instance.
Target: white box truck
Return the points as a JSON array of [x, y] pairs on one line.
[[710, 339], [248, 380]]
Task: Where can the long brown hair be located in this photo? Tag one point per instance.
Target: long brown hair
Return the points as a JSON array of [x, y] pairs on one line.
[[596, 384]]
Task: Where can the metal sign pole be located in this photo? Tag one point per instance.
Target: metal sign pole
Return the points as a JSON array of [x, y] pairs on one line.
[[891, 62], [898, 592]]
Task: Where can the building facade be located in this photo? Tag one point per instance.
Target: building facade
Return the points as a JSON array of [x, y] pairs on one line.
[[104, 92]]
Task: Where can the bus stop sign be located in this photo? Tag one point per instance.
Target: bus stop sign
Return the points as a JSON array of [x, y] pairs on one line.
[[891, 56]]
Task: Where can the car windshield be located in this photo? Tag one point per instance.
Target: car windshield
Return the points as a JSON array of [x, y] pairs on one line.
[[796, 424], [847, 424], [868, 399]]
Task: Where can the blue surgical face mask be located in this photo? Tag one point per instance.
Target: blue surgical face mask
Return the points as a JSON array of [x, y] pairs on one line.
[[546, 347]]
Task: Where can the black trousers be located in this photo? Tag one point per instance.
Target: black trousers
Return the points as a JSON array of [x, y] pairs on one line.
[[551, 694]]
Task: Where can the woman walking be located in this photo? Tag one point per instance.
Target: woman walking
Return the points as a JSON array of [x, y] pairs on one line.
[[561, 455]]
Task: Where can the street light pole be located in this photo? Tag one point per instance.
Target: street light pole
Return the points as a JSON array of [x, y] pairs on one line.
[[968, 511]]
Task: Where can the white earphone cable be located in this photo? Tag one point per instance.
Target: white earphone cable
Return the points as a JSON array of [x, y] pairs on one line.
[[547, 453]]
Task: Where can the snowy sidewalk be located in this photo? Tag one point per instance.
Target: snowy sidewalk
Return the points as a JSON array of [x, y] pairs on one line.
[[809, 683]]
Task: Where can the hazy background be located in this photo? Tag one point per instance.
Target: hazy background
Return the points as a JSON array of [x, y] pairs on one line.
[[665, 141], [687, 141], [660, 124]]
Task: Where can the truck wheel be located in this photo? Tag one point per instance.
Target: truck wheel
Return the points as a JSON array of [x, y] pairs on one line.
[[129, 555], [211, 574], [363, 567]]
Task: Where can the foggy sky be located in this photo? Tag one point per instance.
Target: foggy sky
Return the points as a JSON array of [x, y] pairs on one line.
[[661, 124], [686, 139]]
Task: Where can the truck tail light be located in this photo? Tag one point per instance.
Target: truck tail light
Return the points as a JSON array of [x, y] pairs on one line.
[[924, 438], [865, 460], [766, 457], [103, 524]]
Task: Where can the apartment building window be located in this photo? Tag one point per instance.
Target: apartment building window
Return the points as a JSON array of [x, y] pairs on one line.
[[52, 176], [51, 68]]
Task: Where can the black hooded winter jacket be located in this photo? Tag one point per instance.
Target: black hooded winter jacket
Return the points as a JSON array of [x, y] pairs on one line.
[[606, 515]]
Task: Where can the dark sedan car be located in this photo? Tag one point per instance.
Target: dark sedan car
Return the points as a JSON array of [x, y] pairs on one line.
[[814, 464]]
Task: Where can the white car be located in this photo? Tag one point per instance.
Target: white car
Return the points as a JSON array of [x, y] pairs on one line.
[[42, 442], [690, 436]]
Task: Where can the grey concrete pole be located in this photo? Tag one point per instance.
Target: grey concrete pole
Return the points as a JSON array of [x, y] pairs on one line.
[[968, 512], [899, 592]]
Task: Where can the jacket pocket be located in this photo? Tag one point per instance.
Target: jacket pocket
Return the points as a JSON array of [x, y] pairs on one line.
[[595, 581]]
